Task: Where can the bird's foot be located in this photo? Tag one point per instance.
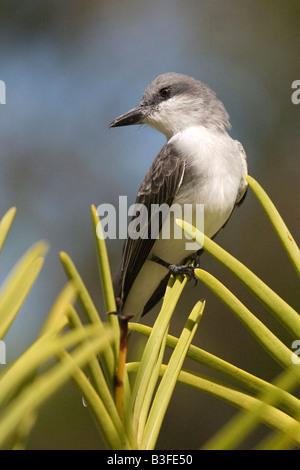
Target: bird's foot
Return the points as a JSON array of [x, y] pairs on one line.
[[184, 269]]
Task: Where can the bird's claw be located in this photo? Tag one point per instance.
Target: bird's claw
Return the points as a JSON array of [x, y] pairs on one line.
[[185, 269]]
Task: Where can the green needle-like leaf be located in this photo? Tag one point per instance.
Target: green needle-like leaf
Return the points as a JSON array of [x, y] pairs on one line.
[[89, 309], [108, 292], [42, 349], [106, 417], [18, 284], [96, 378], [145, 377], [148, 397], [289, 318], [271, 416], [105, 275], [166, 387], [253, 384], [108, 295], [243, 424], [5, 224], [266, 338], [46, 384], [280, 228], [57, 319]]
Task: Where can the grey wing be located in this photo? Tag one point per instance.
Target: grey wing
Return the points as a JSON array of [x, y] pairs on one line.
[[160, 186], [243, 184]]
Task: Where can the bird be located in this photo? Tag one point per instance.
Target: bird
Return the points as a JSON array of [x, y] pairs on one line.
[[199, 164]]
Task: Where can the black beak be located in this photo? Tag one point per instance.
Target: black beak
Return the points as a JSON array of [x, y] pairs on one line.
[[136, 115]]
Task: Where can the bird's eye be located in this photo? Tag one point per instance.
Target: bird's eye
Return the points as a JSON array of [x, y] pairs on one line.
[[165, 92]]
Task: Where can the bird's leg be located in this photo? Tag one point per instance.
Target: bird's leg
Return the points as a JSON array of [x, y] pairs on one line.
[[185, 269]]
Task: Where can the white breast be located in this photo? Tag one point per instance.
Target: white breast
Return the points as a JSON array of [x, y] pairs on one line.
[[214, 171]]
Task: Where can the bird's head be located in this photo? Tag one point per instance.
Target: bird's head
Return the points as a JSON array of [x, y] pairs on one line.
[[173, 102]]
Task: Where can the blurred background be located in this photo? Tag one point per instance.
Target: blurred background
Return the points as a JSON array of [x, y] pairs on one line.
[[70, 68]]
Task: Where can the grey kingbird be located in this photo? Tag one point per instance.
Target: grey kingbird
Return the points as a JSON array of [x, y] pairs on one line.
[[199, 164]]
